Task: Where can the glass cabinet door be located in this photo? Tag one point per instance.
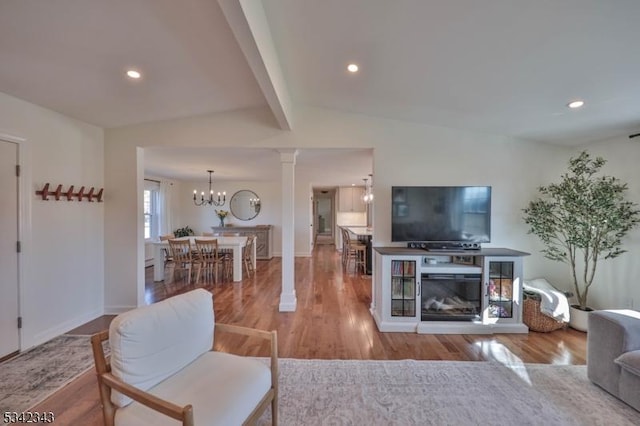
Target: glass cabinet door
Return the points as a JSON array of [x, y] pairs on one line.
[[500, 289], [403, 288]]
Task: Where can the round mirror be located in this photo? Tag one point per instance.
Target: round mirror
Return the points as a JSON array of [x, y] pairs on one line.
[[245, 205]]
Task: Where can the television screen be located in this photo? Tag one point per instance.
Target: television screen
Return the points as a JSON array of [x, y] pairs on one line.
[[441, 213]]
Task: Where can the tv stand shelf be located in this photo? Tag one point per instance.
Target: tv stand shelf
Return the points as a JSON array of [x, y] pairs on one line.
[[449, 268], [405, 251], [448, 291]]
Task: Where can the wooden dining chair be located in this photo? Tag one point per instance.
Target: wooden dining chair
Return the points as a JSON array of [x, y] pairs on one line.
[[184, 259], [210, 259], [227, 253], [168, 260]]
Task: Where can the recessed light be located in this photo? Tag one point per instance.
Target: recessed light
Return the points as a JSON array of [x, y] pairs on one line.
[[352, 68], [575, 104], [134, 74]]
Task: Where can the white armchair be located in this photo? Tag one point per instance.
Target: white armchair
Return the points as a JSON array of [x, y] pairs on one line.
[[163, 367]]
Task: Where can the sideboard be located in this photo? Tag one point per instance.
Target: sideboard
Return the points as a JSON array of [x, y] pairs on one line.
[[264, 241]]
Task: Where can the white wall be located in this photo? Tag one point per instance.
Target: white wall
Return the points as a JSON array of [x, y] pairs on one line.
[[404, 154], [62, 266], [202, 218], [514, 169], [80, 257], [617, 281]]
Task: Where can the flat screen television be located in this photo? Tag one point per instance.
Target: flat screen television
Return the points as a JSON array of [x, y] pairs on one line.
[[441, 214]]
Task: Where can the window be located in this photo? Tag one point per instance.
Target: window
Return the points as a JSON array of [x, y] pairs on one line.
[[151, 207]]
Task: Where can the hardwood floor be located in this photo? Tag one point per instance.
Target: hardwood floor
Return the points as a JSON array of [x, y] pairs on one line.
[[332, 321]]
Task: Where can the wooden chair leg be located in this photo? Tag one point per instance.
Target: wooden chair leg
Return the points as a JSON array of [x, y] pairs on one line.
[[175, 272], [198, 268], [274, 410]]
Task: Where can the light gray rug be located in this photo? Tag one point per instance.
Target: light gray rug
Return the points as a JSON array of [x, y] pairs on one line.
[[345, 392], [35, 374], [341, 392]]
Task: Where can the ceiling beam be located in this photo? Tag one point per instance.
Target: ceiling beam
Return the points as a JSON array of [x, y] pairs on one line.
[[248, 22]]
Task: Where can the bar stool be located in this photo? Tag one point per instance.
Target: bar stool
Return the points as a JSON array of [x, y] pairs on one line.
[[247, 255], [355, 251], [345, 245]]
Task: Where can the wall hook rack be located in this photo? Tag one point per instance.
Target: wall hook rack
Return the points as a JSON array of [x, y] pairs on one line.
[[90, 196]]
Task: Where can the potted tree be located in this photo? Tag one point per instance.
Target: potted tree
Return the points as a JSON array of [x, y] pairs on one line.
[[582, 220]]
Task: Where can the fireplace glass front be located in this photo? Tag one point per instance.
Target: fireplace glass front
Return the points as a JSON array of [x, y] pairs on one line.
[[451, 297]]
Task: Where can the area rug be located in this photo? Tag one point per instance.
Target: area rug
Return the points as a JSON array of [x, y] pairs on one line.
[[347, 392], [341, 392], [35, 374]]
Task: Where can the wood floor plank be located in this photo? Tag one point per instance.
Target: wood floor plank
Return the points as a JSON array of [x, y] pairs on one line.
[[332, 321]]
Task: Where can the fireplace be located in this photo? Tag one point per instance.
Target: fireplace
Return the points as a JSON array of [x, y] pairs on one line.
[[451, 297]]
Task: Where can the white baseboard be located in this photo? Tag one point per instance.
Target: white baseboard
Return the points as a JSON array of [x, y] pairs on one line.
[[57, 330], [298, 254], [115, 310], [397, 327]]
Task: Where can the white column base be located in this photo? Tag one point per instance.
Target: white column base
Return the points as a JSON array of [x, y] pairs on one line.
[[288, 302]]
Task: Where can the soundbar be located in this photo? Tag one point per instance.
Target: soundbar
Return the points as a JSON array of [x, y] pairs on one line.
[[450, 246]]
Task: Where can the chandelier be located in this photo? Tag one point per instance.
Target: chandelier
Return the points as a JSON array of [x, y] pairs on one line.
[[368, 189], [221, 199]]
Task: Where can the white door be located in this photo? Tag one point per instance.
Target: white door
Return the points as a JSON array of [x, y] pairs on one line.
[[9, 335]]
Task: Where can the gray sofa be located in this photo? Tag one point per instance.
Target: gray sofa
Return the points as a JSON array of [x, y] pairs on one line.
[[613, 353]]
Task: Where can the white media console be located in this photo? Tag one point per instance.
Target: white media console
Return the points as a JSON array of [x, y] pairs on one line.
[[452, 292]]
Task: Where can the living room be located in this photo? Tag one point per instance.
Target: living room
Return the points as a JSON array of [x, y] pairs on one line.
[[405, 153], [83, 260], [522, 167]]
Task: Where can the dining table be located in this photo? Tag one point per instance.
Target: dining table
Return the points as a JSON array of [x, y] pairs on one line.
[[230, 243]]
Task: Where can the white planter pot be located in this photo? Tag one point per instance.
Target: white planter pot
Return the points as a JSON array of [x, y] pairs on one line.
[[579, 319]]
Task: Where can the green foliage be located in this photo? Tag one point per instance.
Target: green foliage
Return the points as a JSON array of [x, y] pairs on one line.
[[183, 232], [585, 217]]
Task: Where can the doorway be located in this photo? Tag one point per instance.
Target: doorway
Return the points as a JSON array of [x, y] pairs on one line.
[[324, 216], [9, 312]]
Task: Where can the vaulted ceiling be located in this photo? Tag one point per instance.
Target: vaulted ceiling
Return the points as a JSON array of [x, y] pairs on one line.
[[498, 66]]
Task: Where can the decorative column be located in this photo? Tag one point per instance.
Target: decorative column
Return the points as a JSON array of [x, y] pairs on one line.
[[288, 299]]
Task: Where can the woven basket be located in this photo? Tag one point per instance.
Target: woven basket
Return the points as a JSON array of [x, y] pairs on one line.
[[536, 320]]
